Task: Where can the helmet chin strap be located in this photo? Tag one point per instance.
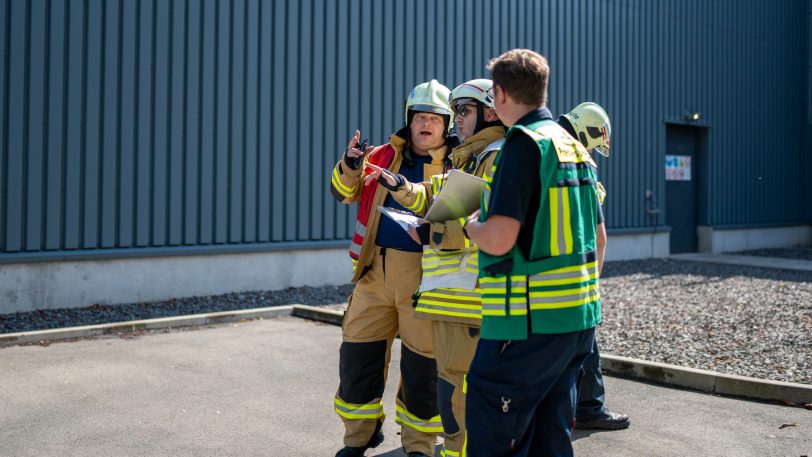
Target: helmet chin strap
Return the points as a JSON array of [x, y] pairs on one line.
[[481, 123], [480, 118]]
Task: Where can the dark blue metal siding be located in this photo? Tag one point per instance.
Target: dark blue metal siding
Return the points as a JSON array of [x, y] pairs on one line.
[[157, 124], [807, 196]]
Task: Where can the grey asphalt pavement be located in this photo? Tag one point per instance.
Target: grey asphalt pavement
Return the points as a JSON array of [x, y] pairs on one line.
[[265, 388]]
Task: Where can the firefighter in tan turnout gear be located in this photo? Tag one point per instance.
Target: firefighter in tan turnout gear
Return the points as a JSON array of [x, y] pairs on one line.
[[387, 272], [448, 294]]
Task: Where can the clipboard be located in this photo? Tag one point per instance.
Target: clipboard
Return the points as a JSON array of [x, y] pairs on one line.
[[459, 197], [404, 219]]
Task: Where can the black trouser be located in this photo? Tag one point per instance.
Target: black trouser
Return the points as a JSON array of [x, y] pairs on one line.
[[522, 394]]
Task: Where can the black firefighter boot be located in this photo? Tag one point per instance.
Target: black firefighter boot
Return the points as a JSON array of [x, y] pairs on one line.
[[374, 441]]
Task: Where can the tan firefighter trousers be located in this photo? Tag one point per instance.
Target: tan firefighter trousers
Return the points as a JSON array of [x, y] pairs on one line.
[[379, 309], [454, 347]]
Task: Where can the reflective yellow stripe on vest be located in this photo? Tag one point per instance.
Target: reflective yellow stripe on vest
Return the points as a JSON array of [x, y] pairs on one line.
[[351, 411], [451, 302], [497, 300], [433, 425], [567, 275], [560, 228], [444, 262], [546, 290], [564, 298]]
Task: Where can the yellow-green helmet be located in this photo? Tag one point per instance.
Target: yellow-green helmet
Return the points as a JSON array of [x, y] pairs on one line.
[[475, 89], [592, 126], [429, 97]]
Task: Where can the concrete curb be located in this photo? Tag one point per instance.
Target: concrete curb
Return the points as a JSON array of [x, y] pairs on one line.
[[776, 263], [10, 339], [707, 381], [703, 380], [315, 313]]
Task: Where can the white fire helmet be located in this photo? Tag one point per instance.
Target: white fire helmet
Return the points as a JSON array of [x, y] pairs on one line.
[[592, 126]]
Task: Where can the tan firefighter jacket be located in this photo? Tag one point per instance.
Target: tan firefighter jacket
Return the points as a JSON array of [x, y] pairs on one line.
[[449, 250], [347, 187]]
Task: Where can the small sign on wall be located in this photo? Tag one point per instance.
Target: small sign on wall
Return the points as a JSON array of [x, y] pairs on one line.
[[677, 168]]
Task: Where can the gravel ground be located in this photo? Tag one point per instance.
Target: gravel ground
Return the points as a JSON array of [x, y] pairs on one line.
[[731, 319], [797, 253], [738, 320]]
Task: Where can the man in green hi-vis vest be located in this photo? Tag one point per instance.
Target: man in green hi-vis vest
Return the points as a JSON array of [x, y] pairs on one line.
[[538, 273]]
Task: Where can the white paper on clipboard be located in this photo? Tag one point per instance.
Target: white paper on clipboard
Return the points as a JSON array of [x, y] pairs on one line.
[[404, 219], [459, 197]]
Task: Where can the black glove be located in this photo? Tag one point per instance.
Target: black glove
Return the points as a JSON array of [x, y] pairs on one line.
[[399, 181], [355, 162]]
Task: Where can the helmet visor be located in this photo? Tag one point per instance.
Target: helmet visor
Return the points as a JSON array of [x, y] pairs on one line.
[[459, 101], [422, 107], [596, 132]]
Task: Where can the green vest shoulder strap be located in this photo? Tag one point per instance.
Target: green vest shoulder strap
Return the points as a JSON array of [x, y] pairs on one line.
[[567, 148]]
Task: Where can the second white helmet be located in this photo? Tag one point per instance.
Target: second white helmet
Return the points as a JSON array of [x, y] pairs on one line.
[[475, 89], [592, 126]]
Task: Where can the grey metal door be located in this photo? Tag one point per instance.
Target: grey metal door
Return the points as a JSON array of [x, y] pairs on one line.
[[681, 174]]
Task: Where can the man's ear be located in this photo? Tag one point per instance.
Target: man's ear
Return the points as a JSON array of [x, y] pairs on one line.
[[501, 95], [490, 115]]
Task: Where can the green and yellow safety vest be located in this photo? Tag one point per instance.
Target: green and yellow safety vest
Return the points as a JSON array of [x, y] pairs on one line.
[[556, 289]]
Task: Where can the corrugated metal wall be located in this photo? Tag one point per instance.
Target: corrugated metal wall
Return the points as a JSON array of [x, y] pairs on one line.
[[153, 124], [807, 159]]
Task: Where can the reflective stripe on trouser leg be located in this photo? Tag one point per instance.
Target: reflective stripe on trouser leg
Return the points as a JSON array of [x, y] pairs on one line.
[[369, 411], [362, 378], [448, 452], [416, 403]]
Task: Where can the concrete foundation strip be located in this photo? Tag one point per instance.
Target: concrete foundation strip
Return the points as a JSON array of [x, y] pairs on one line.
[[703, 380], [38, 336]]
